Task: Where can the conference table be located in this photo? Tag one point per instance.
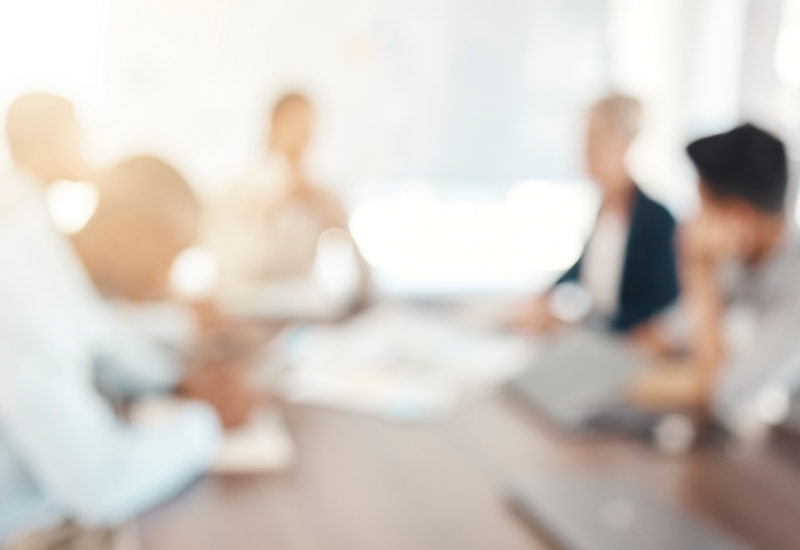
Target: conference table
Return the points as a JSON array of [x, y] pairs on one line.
[[361, 483]]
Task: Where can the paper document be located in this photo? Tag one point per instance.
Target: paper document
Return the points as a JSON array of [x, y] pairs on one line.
[[291, 299], [396, 362], [261, 445]]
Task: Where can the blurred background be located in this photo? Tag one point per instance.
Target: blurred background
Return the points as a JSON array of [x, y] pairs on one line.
[[452, 129]]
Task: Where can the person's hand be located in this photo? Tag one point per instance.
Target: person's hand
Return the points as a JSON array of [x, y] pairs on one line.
[[224, 338], [209, 315], [224, 386], [711, 236], [534, 316], [670, 384], [650, 338], [707, 240]]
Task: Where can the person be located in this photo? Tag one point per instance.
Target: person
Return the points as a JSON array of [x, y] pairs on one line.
[[740, 271], [146, 216], [70, 468], [268, 226], [628, 267]]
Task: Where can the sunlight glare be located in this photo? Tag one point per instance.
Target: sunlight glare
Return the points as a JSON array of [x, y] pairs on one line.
[[540, 226]]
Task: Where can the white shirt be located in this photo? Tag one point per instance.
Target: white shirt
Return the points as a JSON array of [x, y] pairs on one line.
[[603, 262], [173, 326], [63, 452], [261, 233]]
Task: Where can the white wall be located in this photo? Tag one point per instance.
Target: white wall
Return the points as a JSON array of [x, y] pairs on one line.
[[478, 90], [463, 94], [47, 44], [683, 59]]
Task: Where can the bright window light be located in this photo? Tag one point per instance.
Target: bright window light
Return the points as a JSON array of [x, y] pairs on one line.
[[787, 55], [335, 268], [787, 47], [71, 204], [194, 272], [541, 226], [773, 403], [51, 40]]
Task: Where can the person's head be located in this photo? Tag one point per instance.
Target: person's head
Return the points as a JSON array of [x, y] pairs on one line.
[[44, 136], [613, 124], [290, 125], [743, 178], [146, 215]]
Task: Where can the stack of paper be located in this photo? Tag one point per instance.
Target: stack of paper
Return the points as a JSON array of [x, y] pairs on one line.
[[396, 362]]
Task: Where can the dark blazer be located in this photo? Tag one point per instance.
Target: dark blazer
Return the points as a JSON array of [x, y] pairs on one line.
[[649, 277]]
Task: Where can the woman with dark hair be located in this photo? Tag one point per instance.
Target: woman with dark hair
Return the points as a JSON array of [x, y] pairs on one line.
[[268, 225]]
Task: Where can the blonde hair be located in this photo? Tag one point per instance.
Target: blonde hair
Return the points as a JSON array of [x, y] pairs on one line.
[[623, 112], [33, 122]]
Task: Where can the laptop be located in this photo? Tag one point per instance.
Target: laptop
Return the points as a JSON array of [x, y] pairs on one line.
[[786, 435], [611, 514], [579, 381]]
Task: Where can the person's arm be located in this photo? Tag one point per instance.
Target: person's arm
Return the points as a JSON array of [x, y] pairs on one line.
[[535, 315], [130, 362], [102, 470], [330, 207], [705, 308], [649, 337], [689, 382], [333, 214], [686, 382]]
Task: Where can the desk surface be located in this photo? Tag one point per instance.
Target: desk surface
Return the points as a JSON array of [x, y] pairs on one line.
[[363, 484]]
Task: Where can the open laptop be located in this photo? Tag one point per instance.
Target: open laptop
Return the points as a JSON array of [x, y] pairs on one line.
[[610, 514], [580, 379]]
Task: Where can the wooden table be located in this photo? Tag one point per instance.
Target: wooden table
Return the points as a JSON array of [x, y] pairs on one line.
[[364, 484]]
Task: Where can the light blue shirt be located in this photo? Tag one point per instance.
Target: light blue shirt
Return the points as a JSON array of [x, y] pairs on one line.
[[63, 451], [762, 322]]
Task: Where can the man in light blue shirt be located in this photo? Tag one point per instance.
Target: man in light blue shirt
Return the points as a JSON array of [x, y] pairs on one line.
[[741, 281], [64, 454]]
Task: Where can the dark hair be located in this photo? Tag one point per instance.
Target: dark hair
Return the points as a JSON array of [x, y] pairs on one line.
[[745, 163], [34, 120]]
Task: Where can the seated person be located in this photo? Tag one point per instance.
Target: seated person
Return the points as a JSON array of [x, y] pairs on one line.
[[145, 216], [628, 267], [64, 454], [740, 267], [268, 226]]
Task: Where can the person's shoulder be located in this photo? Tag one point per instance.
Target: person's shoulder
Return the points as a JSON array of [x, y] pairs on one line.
[[258, 184], [16, 191], [654, 212]]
